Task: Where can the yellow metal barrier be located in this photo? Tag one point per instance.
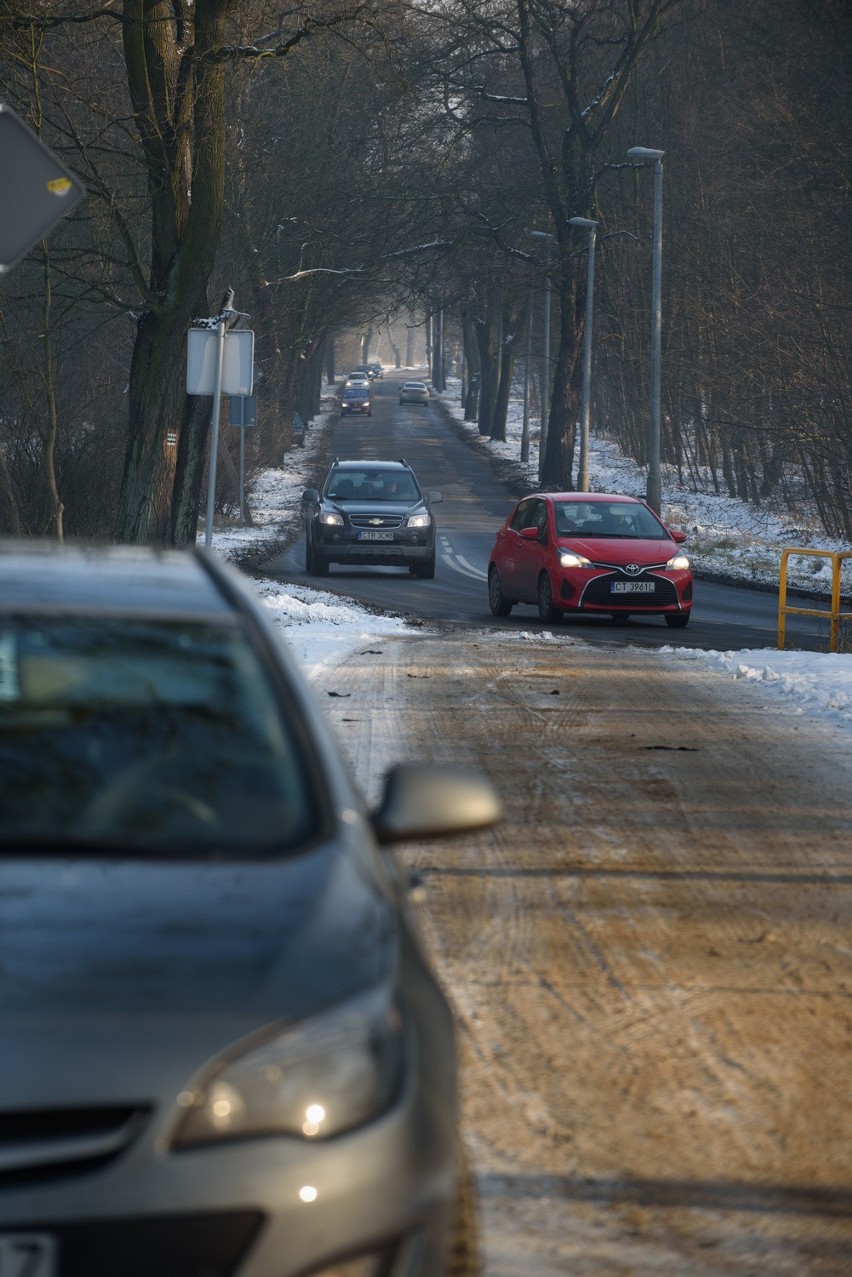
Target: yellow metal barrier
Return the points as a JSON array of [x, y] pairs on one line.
[[835, 616]]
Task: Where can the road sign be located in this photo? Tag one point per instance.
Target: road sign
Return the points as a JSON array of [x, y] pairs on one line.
[[243, 410], [37, 189], [237, 365]]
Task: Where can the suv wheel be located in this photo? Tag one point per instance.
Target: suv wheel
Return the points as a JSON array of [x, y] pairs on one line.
[[425, 570], [319, 563]]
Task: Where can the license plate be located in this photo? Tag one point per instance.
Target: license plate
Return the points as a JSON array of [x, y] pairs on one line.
[[375, 536], [631, 587], [28, 1255]]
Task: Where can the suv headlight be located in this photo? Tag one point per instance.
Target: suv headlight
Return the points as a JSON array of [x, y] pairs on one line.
[[329, 517], [419, 521], [678, 562], [571, 560], [314, 1079]]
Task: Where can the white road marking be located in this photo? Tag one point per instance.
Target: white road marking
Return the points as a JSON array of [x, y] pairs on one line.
[[459, 563]]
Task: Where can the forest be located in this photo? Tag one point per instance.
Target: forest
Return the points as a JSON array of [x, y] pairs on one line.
[[354, 166]]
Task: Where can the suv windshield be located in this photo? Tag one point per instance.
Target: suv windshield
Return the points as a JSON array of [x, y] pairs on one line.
[[146, 737], [373, 485]]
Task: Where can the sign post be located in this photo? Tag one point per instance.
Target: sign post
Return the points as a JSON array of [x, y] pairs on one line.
[[218, 362], [243, 413]]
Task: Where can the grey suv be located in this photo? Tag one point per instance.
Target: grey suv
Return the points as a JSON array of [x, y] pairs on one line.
[[370, 512], [222, 1051]]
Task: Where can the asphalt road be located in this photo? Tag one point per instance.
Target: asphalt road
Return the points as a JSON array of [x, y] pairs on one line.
[[475, 502]]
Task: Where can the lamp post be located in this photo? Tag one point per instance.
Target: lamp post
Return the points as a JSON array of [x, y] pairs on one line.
[[583, 466], [654, 491], [545, 354]]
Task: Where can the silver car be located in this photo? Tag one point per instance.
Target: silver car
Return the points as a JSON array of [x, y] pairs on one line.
[[414, 392], [222, 1051]]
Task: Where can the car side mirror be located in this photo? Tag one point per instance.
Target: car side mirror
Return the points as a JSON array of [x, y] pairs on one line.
[[677, 537], [433, 800], [432, 498], [310, 495], [529, 534]]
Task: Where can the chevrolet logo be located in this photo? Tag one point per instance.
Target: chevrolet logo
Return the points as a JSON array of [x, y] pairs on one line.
[[376, 523]]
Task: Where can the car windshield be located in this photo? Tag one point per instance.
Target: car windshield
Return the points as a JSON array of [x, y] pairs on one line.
[[146, 738], [607, 519], [355, 393], [373, 485]]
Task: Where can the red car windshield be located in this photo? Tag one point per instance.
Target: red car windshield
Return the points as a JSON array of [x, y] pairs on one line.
[[607, 519]]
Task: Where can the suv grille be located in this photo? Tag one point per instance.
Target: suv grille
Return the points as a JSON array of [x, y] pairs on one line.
[[376, 520]]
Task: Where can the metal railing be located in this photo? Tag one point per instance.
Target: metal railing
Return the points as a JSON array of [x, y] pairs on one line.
[[835, 616]]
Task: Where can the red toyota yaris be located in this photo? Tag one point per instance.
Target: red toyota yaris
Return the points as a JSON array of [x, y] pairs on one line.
[[589, 552]]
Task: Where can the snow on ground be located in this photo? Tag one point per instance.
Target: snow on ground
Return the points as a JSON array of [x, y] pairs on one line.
[[726, 538]]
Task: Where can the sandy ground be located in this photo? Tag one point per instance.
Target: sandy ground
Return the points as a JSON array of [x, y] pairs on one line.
[[650, 959]]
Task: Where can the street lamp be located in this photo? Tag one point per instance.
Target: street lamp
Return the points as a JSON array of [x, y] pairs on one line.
[[545, 353], [654, 491], [583, 467]]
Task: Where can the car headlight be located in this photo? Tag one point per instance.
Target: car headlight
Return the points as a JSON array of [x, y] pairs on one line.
[[418, 521], [570, 560], [678, 563], [327, 516], [314, 1079]]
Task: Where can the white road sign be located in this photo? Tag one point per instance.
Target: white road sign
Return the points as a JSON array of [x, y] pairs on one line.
[[237, 366]]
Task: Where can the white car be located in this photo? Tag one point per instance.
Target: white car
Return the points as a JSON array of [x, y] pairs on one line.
[[414, 392]]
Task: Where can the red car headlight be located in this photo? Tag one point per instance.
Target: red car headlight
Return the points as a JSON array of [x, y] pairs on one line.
[[678, 563], [568, 559]]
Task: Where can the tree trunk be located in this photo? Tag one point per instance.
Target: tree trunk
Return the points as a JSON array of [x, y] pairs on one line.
[[178, 99]]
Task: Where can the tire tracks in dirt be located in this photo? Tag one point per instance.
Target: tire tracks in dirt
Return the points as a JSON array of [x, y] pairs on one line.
[[649, 959]]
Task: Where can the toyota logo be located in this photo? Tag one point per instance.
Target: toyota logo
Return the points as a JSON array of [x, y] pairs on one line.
[[632, 568]]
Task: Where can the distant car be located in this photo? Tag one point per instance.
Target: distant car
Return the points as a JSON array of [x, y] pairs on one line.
[[376, 370], [370, 512], [356, 399], [590, 553], [222, 1049], [414, 392], [367, 369]]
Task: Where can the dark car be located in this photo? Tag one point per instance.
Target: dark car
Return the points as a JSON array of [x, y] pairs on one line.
[[222, 1051], [590, 553], [376, 370], [356, 400], [370, 512]]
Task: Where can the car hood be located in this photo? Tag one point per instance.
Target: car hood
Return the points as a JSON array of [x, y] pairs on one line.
[[118, 981], [377, 509], [618, 551], [265, 940]]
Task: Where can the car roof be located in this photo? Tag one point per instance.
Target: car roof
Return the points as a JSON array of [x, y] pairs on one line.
[[415, 383], [137, 581], [372, 464], [602, 497]]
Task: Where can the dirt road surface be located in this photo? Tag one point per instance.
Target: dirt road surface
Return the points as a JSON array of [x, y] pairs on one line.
[[650, 959]]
